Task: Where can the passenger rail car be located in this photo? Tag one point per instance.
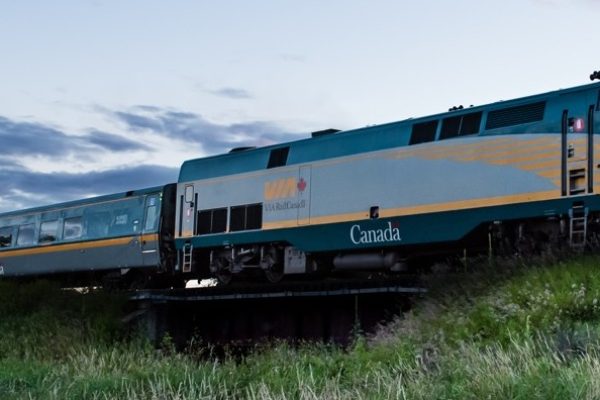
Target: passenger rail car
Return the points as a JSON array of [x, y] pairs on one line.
[[123, 237], [507, 174]]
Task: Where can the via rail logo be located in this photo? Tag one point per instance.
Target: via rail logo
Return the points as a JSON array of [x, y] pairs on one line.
[[284, 188]]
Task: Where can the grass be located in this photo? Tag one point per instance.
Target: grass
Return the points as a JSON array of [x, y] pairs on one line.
[[513, 330]]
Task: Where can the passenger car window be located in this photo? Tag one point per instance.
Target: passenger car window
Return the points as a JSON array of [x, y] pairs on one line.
[[48, 231], [6, 236], [25, 235], [150, 224], [73, 228], [97, 224]]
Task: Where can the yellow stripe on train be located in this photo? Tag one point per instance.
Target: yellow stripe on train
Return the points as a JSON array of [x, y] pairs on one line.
[[55, 248]]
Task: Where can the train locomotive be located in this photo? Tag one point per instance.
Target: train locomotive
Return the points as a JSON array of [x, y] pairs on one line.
[[514, 175]]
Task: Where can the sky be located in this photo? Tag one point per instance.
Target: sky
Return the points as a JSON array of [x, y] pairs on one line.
[[99, 97]]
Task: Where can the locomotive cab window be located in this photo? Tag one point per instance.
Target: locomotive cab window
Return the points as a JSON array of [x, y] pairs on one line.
[[278, 157], [6, 236], [48, 231], [25, 235], [73, 228]]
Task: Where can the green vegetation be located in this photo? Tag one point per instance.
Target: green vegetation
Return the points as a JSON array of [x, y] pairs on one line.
[[513, 330]]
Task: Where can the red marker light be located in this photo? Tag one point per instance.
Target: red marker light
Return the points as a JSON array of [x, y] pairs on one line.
[[579, 125]]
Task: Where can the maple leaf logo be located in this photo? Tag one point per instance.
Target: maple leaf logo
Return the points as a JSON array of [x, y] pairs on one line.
[[301, 185]]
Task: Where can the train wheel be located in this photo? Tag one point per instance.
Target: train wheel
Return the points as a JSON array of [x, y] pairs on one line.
[[274, 274], [137, 280], [222, 270], [271, 263], [224, 276], [112, 281]]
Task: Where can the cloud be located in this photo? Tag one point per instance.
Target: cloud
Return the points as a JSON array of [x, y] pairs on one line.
[[137, 122], [232, 93], [114, 142], [21, 188], [36, 139], [194, 129]]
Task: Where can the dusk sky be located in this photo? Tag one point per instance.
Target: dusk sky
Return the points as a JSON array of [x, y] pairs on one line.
[[105, 96]]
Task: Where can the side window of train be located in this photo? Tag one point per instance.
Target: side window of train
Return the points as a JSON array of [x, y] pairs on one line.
[[73, 228], [152, 214], [97, 224], [25, 235], [151, 218], [246, 217], [48, 231], [212, 221], [6, 236]]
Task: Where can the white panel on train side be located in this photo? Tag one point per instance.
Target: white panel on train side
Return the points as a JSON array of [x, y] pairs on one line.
[[304, 189], [187, 210]]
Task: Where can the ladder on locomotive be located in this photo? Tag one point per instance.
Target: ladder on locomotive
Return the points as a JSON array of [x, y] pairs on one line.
[[187, 257], [578, 226], [577, 177]]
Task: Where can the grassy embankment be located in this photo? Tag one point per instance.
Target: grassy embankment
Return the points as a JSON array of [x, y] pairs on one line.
[[517, 331]]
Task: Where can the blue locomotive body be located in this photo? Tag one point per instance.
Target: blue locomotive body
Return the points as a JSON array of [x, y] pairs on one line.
[[377, 196]]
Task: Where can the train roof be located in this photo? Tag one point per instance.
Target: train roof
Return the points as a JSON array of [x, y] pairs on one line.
[[82, 202], [332, 143]]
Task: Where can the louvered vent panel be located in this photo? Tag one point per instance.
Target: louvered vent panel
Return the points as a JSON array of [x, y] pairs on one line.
[[516, 115]]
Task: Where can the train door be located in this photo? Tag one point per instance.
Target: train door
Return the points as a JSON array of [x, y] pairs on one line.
[[187, 214], [149, 241], [577, 154], [188, 204], [304, 189]]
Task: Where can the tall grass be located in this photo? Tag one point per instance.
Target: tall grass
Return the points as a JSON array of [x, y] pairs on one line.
[[513, 330]]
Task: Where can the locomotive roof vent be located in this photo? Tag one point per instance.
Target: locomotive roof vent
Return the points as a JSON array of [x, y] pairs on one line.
[[243, 148], [516, 115], [324, 132]]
